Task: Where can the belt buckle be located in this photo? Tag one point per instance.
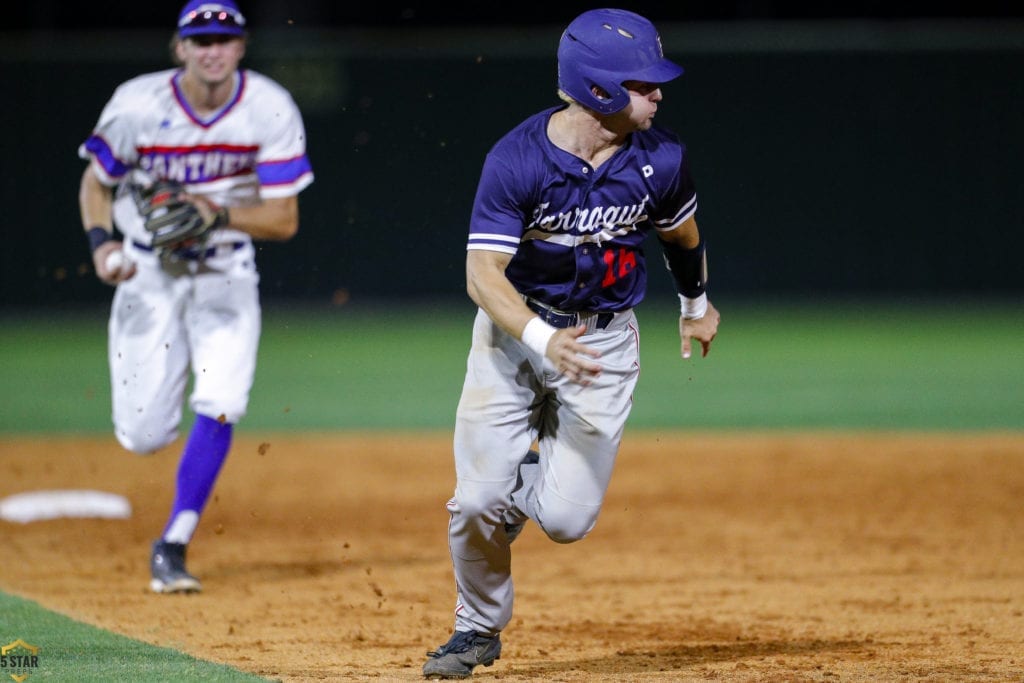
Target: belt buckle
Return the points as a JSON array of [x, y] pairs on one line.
[[598, 319]]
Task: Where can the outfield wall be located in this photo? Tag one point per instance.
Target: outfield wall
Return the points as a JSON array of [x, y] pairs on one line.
[[830, 158]]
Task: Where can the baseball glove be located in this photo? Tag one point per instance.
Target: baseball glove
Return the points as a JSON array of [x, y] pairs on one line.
[[171, 219]]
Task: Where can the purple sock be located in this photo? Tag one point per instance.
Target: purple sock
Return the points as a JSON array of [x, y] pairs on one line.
[[205, 453]]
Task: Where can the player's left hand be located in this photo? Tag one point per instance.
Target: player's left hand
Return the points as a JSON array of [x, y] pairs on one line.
[[702, 329], [175, 218]]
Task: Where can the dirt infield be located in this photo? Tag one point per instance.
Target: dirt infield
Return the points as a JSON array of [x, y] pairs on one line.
[[752, 557]]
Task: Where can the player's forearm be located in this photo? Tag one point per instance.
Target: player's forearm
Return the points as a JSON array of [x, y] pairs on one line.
[[687, 262], [274, 219], [489, 289], [94, 203]]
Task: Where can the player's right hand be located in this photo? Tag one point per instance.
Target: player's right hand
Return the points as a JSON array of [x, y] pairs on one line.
[[571, 357], [105, 274]]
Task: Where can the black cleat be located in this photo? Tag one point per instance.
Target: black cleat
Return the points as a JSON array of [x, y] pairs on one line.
[[457, 657], [167, 565]]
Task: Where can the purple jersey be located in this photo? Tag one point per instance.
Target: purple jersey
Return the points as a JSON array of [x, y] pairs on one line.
[[576, 233]]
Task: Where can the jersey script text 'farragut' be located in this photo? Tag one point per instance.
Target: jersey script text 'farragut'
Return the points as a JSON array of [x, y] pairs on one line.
[[589, 220]]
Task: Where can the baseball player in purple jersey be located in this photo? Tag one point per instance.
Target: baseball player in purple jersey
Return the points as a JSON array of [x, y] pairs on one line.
[[556, 266], [235, 140]]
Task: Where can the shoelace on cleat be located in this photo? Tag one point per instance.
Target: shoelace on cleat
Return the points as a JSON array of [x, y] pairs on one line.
[[462, 641]]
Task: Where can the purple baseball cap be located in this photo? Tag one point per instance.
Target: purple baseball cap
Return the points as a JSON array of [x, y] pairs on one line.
[[203, 17]]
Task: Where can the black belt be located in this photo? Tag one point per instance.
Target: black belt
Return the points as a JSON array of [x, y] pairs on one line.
[[191, 254], [563, 319]]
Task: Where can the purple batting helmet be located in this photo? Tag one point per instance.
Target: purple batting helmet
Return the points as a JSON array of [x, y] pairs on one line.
[[605, 47], [206, 17]]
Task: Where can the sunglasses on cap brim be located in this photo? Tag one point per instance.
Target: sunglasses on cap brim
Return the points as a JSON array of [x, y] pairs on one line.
[[212, 15]]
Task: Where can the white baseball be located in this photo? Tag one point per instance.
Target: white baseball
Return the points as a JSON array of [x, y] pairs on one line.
[[115, 262]]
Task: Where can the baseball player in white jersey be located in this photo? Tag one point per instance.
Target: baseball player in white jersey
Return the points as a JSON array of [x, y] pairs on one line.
[[235, 141], [555, 264]]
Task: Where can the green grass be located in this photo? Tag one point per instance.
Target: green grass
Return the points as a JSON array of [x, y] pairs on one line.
[[911, 367], [830, 366], [72, 651]]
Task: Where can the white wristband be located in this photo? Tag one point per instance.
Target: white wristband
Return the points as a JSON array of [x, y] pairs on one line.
[[537, 334], [693, 309]]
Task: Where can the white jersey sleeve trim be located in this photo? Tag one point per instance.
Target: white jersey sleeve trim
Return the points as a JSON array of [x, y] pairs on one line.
[[493, 241], [681, 217], [492, 247]]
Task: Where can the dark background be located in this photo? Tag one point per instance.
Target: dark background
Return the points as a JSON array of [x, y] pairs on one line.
[[839, 149], [62, 14]]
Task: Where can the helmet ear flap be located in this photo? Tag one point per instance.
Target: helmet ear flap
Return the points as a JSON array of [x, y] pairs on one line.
[[607, 97]]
